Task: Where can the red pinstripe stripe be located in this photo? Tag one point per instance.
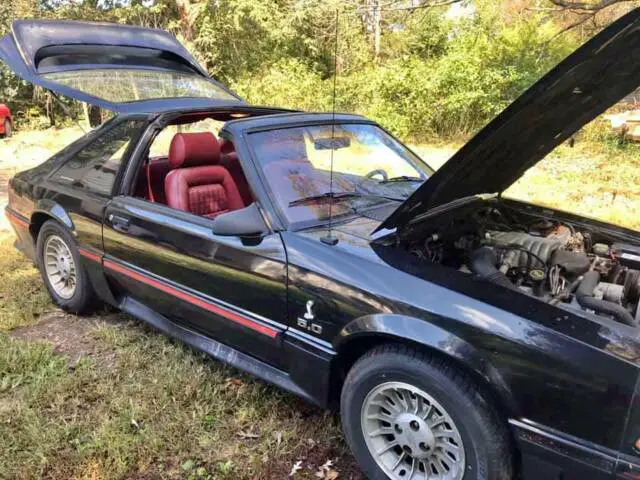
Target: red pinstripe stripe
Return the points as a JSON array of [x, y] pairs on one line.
[[192, 299], [96, 257], [14, 218]]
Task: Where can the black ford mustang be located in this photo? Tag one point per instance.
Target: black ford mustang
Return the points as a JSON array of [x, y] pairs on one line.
[[462, 335]]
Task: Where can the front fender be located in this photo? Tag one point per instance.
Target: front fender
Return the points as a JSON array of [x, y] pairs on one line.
[[424, 333]]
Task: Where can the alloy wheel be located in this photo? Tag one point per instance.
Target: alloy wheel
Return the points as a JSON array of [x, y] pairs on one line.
[[60, 267], [410, 435]]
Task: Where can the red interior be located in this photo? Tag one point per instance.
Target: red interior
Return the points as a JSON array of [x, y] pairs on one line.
[[207, 190], [200, 175], [229, 160], [197, 183], [150, 183]]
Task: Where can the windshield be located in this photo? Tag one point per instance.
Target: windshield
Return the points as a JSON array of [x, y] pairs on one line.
[[370, 168], [123, 85]]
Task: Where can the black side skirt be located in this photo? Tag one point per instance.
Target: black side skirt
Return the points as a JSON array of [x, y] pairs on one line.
[[216, 349]]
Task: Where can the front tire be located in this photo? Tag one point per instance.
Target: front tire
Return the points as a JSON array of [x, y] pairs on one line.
[[62, 271], [409, 416]]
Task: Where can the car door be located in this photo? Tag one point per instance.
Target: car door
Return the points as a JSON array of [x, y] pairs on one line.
[[228, 288]]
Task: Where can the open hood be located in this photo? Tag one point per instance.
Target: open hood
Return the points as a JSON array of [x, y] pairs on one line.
[[108, 65], [588, 82]]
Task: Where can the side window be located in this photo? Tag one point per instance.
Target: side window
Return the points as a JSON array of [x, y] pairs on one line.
[[96, 166]]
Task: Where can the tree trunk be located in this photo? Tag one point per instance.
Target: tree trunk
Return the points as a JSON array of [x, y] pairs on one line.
[[377, 27], [93, 114], [50, 108]]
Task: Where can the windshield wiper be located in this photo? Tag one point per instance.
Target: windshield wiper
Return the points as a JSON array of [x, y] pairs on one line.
[[322, 196], [403, 178]]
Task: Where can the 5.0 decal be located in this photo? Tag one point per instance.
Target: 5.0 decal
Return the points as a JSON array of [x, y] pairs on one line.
[[306, 321]]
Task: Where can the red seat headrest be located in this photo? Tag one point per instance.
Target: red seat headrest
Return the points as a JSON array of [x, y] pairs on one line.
[[226, 146], [194, 149]]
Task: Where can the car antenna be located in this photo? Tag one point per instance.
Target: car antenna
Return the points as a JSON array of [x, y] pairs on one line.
[[329, 238]]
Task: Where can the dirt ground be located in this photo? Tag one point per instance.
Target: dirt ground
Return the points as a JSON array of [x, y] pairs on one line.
[[70, 335]]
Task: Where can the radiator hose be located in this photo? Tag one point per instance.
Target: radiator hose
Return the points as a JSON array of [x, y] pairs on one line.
[[584, 296]]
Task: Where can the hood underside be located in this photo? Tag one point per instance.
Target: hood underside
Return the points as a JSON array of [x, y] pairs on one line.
[[588, 82]]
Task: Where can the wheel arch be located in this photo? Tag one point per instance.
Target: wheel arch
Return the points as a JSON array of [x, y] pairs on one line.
[[49, 210], [366, 333]]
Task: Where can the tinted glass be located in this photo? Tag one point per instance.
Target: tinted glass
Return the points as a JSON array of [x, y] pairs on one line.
[[121, 85], [369, 168], [96, 166]]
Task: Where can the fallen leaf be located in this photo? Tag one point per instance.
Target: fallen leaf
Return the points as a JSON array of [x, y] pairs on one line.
[[325, 472], [247, 434], [327, 464], [296, 467], [235, 381]]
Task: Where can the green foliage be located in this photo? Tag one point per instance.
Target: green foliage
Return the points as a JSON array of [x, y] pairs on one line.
[[433, 74], [448, 80], [287, 83]]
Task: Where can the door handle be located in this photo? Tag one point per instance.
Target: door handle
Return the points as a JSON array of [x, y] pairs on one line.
[[119, 223]]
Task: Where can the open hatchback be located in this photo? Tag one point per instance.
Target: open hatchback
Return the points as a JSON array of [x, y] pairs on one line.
[[117, 67]]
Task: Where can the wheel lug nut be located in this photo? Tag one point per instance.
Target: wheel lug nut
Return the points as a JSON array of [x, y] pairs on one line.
[[398, 429], [407, 450], [415, 426]]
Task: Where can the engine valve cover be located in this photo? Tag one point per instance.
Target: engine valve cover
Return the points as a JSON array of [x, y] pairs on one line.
[[541, 246]]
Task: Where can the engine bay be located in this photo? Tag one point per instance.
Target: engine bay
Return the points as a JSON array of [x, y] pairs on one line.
[[549, 259]]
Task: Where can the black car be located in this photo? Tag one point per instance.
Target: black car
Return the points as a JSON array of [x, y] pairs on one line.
[[462, 335]]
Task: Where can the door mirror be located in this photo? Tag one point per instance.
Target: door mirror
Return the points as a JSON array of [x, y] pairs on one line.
[[247, 222]]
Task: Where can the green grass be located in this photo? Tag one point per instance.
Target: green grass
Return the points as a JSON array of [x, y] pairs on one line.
[[597, 179], [22, 298]]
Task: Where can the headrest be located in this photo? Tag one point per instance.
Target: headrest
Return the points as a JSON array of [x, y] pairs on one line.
[[194, 149], [226, 146]]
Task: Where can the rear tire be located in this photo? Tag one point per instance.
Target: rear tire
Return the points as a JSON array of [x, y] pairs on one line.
[[8, 129], [62, 271], [406, 414]]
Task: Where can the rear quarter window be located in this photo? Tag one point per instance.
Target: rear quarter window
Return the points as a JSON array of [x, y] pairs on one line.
[[96, 166]]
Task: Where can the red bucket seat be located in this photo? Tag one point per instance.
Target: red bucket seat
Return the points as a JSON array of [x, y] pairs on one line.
[[229, 160], [197, 183]]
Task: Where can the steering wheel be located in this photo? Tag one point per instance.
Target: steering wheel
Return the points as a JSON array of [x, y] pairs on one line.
[[378, 171], [370, 175]]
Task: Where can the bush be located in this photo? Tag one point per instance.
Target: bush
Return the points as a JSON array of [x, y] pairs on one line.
[[287, 83]]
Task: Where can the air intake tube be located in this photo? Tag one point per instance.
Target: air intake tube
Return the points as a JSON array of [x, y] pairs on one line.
[[584, 296], [483, 264]]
